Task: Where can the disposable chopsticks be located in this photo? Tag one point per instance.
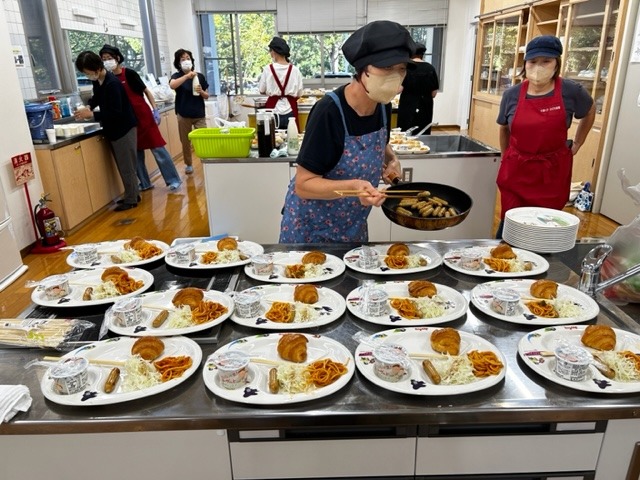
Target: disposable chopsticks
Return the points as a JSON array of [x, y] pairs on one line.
[[93, 361], [386, 193]]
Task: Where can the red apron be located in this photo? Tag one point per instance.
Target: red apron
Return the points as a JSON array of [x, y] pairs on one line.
[[149, 135], [536, 167], [272, 100]]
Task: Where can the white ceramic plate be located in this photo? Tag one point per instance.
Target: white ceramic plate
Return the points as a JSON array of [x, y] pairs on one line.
[[540, 265], [548, 339], [417, 340], [330, 307], [412, 151], [159, 300], [455, 306], [249, 249], [79, 280], [333, 267], [106, 249], [264, 346], [482, 294], [119, 349], [433, 260]]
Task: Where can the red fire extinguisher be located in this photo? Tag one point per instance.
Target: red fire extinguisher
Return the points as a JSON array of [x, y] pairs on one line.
[[46, 221]]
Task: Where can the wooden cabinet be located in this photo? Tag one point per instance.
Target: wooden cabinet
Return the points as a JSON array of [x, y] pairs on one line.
[[101, 172], [81, 179], [590, 32]]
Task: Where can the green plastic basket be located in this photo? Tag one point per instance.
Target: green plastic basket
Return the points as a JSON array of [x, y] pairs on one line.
[[222, 142]]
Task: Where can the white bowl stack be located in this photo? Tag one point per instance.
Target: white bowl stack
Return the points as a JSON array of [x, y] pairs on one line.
[[541, 230]]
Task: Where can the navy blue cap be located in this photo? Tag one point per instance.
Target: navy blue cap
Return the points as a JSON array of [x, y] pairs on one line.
[[381, 43], [279, 45], [543, 46]]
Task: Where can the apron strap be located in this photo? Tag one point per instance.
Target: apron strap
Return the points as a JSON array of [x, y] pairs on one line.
[[286, 78], [336, 100]]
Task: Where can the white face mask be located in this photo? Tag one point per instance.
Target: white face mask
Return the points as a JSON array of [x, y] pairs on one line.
[[382, 88], [110, 65], [540, 75], [186, 65]]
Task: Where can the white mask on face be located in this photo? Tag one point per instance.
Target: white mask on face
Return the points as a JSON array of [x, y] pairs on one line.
[[382, 88], [540, 74], [186, 65], [110, 64]]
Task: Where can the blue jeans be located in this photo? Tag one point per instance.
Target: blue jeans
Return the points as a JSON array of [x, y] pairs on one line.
[[165, 164]]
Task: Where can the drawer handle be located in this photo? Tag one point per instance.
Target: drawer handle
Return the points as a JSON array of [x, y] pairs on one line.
[[77, 147], [634, 465]]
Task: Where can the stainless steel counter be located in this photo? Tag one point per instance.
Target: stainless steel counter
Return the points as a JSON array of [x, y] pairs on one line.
[[523, 396]]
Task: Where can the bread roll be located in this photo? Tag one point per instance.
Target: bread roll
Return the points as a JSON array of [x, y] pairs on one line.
[[148, 348], [227, 243], [316, 257], [305, 293], [398, 249], [422, 288], [446, 340], [188, 296], [600, 337], [503, 251], [293, 347], [547, 289]]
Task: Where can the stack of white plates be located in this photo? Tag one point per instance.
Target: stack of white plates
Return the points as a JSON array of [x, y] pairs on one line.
[[541, 230]]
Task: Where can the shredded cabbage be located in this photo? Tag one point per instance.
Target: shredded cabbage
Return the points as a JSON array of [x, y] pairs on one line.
[[293, 378], [567, 308], [313, 270], [304, 313], [139, 374], [180, 317], [415, 261], [625, 368], [431, 307], [457, 370], [228, 256], [104, 290], [128, 255]]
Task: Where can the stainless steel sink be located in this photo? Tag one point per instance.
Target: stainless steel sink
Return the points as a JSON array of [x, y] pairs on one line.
[[454, 143]]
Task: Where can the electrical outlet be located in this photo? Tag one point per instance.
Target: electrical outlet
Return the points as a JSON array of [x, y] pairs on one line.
[[407, 174]]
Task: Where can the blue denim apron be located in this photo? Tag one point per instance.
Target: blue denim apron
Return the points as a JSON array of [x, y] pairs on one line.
[[343, 219]]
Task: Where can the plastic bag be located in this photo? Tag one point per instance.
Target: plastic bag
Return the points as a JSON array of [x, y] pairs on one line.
[[626, 253], [584, 199], [221, 122], [57, 333]]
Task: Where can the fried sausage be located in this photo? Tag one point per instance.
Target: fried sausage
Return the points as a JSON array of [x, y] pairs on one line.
[[112, 379], [116, 259], [160, 318], [87, 293], [274, 384], [431, 371]]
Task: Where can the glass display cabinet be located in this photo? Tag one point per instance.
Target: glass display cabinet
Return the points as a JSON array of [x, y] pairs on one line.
[[587, 33]]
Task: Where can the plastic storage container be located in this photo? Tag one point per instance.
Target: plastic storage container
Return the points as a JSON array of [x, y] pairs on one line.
[[222, 142], [40, 117]]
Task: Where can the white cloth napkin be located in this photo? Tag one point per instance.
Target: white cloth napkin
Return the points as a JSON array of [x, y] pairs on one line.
[[13, 399]]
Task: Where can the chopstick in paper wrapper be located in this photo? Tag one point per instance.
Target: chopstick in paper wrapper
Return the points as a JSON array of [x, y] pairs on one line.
[[56, 333]]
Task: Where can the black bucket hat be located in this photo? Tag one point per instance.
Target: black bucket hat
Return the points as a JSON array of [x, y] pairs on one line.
[[279, 45], [381, 43], [113, 51]]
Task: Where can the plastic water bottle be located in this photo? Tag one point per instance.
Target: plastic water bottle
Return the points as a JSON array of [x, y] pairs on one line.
[[293, 144], [194, 85]]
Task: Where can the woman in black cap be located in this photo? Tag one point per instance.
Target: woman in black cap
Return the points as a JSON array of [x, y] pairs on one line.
[[117, 120], [346, 142], [419, 88], [149, 136], [534, 118], [282, 82]]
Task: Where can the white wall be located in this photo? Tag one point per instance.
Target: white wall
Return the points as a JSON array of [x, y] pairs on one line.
[[15, 138], [182, 30]]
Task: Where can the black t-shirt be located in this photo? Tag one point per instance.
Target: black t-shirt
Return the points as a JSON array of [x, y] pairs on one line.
[[134, 81], [324, 134], [116, 113], [420, 81], [187, 104]]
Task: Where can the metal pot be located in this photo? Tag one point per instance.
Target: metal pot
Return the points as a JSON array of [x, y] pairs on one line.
[[455, 197]]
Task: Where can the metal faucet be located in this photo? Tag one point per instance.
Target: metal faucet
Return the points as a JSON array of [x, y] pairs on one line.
[[591, 265]]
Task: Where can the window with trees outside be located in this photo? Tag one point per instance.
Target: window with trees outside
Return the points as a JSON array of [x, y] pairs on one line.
[[235, 52]]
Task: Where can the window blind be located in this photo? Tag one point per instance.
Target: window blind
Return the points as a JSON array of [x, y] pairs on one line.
[[409, 12], [303, 16], [232, 6]]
